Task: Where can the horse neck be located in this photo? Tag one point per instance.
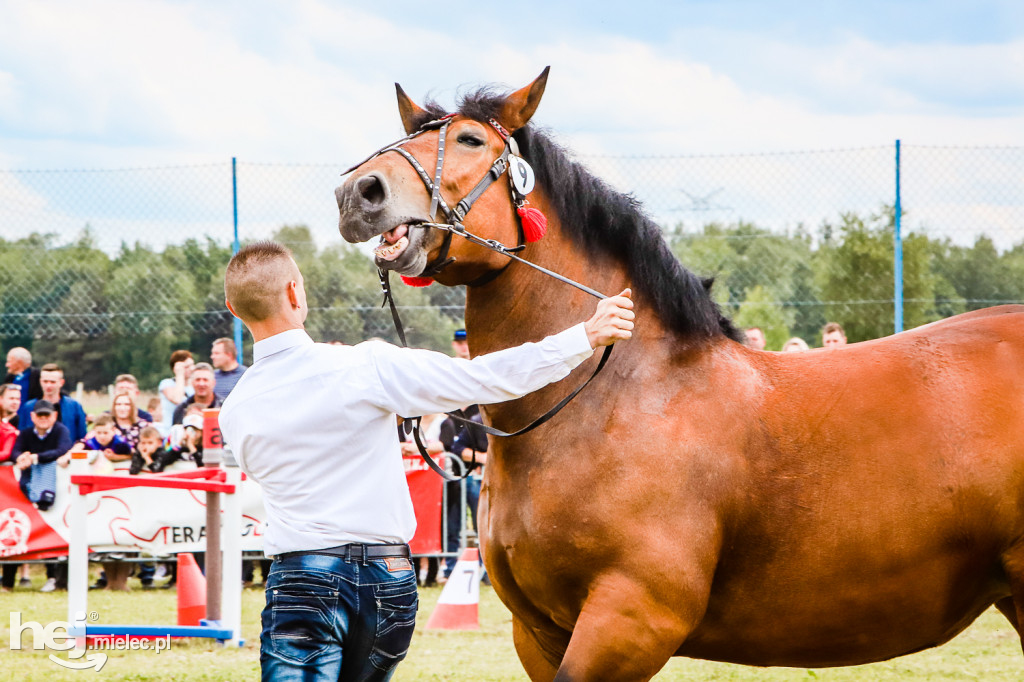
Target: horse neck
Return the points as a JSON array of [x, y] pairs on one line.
[[524, 304]]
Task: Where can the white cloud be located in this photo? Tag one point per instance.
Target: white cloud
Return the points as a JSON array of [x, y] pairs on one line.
[[312, 81], [114, 83]]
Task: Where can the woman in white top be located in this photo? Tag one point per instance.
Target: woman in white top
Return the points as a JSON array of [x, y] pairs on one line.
[[175, 389]]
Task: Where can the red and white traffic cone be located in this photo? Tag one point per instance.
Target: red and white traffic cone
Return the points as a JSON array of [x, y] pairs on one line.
[[191, 591], [459, 605]]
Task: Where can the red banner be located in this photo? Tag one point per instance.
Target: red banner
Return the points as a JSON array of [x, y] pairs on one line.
[[425, 487], [23, 531]]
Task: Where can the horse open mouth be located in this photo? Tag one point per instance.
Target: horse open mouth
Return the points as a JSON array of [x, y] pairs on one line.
[[393, 243]]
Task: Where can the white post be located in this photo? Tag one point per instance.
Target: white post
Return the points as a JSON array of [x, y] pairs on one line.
[[231, 545], [78, 544]]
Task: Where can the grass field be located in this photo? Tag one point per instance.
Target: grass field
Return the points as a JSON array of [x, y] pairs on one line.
[[988, 651]]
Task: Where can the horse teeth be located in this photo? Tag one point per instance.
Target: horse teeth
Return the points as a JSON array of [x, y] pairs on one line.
[[391, 251]]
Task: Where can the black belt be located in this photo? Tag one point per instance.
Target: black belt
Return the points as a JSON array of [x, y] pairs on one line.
[[355, 551]]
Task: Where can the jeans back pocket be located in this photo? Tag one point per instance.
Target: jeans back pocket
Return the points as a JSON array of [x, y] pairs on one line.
[[397, 603], [299, 621]]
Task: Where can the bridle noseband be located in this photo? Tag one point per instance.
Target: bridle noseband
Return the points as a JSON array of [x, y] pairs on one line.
[[453, 226], [455, 215]]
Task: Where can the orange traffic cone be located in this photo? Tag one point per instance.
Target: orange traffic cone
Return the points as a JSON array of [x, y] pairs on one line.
[[459, 605], [191, 591]]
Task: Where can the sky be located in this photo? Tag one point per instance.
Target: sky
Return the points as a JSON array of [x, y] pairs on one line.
[[154, 84], [125, 83]]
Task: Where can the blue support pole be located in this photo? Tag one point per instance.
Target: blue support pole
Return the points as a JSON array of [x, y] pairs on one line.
[[898, 248], [235, 249]]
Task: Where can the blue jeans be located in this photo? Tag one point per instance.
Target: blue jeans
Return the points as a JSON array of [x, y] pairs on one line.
[[331, 619], [454, 515]]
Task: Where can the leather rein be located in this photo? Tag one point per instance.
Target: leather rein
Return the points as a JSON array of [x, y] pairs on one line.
[[454, 226]]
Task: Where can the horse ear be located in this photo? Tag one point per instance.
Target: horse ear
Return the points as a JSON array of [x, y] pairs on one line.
[[521, 104], [408, 110]]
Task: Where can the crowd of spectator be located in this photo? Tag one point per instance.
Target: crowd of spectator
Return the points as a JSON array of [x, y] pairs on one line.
[[41, 425], [832, 336]]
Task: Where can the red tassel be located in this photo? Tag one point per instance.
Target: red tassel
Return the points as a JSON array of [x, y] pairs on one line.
[[535, 223], [417, 281]]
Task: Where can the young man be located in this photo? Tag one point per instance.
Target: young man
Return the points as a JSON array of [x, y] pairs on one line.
[[223, 357], [69, 411], [314, 425], [755, 338], [833, 336]]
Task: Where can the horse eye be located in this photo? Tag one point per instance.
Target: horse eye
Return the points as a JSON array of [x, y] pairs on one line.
[[470, 140]]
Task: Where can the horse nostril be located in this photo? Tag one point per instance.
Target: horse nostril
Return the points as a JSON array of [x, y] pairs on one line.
[[371, 189]]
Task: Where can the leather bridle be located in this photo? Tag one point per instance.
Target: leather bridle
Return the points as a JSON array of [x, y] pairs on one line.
[[455, 215], [453, 226]]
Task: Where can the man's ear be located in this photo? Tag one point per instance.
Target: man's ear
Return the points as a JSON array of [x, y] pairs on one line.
[[293, 297], [230, 308]]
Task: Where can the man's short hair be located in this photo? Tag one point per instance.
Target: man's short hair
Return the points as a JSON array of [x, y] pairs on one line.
[[22, 354], [178, 356], [203, 367], [9, 387], [127, 377], [832, 327], [150, 432], [229, 345], [51, 367], [255, 279], [103, 420]]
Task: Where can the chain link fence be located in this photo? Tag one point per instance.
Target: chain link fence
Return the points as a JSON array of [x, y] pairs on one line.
[[108, 271]]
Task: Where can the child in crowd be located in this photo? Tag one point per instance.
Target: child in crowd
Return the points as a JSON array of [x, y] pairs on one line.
[[149, 453], [155, 409], [186, 440], [105, 440]]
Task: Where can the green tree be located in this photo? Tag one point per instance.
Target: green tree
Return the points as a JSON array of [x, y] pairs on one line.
[[761, 308], [854, 273], [153, 303]]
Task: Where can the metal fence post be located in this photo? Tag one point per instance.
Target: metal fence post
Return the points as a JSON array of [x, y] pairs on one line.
[[234, 250], [898, 256]]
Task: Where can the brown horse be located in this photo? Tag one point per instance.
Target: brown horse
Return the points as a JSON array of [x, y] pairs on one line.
[[703, 499]]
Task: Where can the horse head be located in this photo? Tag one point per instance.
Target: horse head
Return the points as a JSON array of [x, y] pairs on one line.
[[390, 195]]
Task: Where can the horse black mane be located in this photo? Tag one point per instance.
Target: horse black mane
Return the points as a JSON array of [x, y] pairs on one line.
[[597, 217]]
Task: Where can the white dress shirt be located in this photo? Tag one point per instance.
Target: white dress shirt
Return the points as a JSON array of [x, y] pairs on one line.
[[314, 425]]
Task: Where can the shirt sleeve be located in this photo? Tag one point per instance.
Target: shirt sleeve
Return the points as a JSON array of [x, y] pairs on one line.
[[415, 382]]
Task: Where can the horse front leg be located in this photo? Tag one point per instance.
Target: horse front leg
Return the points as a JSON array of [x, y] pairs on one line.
[[540, 651], [628, 629]]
